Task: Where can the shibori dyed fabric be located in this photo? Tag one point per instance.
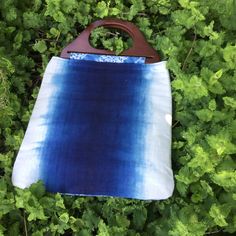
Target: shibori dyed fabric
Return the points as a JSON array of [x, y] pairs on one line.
[[107, 58], [100, 129]]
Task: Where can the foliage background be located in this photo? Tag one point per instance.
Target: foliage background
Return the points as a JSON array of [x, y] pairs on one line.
[[198, 40]]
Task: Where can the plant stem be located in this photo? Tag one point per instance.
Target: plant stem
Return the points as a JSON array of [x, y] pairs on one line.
[[25, 225], [189, 52]]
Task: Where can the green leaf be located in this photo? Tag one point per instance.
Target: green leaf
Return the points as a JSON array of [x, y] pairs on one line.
[[40, 46], [122, 221], [184, 3], [229, 101], [200, 160], [221, 143], [212, 105], [64, 217], [37, 189], [59, 201], [218, 215], [226, 179], [101, 9], [139, 217], [195, 89], [54, 32], [33, 20], [36, 214], [18, 40], [229, 54], [204, 114], [103, 229], [205, 48], [114, 11]]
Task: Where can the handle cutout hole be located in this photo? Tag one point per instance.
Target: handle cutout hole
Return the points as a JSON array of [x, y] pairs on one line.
[[112, 39]]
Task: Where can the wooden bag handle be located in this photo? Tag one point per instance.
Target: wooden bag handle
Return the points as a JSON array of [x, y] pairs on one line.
[[139, 48]]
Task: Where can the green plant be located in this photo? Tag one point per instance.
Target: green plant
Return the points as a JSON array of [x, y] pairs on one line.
[[198, 40]]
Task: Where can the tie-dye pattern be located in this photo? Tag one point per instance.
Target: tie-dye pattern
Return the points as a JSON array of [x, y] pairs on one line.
[[100, 129]]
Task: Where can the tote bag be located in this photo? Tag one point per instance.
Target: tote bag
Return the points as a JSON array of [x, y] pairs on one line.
[[101, 128]]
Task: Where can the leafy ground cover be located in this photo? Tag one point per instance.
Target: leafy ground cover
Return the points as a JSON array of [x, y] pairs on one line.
[[198, 40]]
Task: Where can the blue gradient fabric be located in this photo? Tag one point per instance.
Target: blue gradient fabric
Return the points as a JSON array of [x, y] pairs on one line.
[[100, 129]]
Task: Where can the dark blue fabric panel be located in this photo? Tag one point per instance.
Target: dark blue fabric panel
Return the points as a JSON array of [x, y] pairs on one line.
[[96, 129]]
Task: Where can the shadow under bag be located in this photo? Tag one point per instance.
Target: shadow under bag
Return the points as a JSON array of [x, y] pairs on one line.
[[100, 129]]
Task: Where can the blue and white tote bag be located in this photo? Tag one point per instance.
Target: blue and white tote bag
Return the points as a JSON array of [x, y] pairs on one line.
[[101, 124]]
